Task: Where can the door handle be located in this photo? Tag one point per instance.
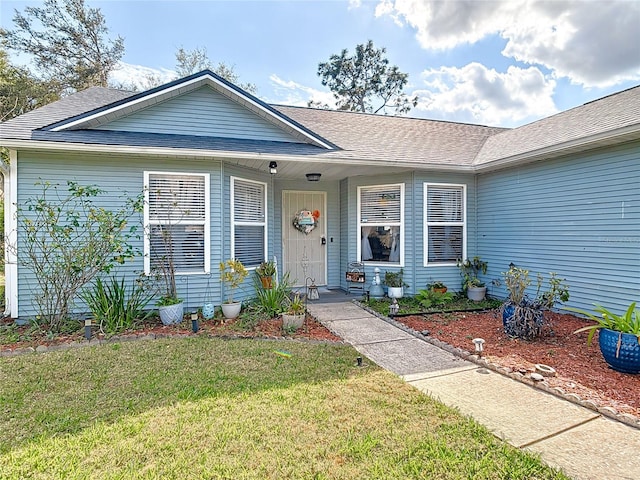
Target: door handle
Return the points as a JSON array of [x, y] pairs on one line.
[[323, 241]]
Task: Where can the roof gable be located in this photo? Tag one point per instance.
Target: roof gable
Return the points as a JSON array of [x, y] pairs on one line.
[[202, 104]]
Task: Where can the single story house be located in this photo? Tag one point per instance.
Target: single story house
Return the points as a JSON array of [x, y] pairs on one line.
[[317, 189]]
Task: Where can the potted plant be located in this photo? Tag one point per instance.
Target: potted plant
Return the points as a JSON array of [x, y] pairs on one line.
[[619, 336], [437, 286], [469, 271], [232, 274], [293, 317], [395, 283], [522, 316], [266, 271], [170, 306]]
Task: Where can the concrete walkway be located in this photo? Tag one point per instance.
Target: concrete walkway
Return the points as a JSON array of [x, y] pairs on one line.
[[580, 441]]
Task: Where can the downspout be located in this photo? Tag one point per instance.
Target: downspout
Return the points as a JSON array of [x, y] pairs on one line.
[[475, 209]]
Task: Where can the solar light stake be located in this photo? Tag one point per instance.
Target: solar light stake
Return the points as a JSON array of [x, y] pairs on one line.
[[87, 329], [479, 343], [194, 321]]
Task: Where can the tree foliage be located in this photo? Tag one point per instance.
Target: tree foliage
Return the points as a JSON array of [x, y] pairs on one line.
[[67, 240], [196, 60], [365, 82], [68, 43], [21, 92]]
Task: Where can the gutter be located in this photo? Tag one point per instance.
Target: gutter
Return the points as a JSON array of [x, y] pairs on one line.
[[223, 155]]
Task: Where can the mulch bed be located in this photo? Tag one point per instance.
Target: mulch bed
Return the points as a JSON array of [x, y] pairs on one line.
[[581, 368]]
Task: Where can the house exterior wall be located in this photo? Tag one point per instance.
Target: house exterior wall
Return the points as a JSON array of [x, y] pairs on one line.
[[203, 112], [578, 216], [416, 274], [120, 177]]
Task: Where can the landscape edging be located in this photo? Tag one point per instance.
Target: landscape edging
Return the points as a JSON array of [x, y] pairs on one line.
[[606, 411]]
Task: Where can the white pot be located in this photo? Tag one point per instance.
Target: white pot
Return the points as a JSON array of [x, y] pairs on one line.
[[231, 310], [476, 293], [394, 292], [171, 314], [292, 321]]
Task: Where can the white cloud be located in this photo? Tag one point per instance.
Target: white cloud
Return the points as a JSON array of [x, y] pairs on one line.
[[475, 93], [140, 77], [591, 43], [296, 94]]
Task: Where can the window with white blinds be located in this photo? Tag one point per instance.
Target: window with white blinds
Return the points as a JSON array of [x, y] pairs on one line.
[[248, 221], [380, 222], [445, 223], [177, 221]]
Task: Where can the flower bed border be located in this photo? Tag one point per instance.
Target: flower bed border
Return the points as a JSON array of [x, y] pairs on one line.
[[606, 411]]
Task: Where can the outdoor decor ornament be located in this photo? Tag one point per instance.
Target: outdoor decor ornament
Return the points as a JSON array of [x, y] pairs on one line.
[[306, 220]]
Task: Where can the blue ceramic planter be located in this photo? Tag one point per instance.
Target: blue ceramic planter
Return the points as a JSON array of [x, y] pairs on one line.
[[620, 350]]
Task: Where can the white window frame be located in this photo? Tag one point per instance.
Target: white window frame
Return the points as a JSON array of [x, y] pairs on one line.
[[148, 223], [360, 224], [427, 224], [264, 224]]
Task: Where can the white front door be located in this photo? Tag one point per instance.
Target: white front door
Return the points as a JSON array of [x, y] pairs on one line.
[[304, 252]]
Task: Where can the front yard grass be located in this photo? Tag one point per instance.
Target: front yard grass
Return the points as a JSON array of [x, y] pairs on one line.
[[239, 409]]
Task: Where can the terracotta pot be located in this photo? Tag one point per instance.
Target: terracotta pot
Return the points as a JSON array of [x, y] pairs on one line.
[[267, 282], [440, 290]]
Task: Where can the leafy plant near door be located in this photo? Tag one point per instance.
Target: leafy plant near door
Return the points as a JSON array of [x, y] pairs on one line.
[[266, 271], [232, 274], [469, 271]]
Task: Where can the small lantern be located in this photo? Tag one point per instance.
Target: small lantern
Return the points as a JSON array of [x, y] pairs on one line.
[[479, 343], [393, 308], [87, 329], [376, 291], [312, 290]]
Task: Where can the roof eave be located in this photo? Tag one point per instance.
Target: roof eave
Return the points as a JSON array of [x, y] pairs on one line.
[[194, 81], [334, 157], [621, 135]]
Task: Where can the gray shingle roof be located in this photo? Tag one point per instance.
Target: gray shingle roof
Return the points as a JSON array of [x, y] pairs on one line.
[[598, 118], [364, 137], [395, 139], [95, 97]]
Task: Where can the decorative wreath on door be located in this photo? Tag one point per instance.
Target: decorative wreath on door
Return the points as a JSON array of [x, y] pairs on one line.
[[306, 220]]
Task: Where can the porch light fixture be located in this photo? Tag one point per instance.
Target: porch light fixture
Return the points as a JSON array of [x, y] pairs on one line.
[[273, 167], [313, 177]]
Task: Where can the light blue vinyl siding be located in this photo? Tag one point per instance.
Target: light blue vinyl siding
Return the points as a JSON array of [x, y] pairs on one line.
[[121, 177], [578, 216], [203, 112], [449, 274]]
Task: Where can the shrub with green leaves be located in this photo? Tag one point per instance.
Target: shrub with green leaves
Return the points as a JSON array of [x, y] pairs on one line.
[[274, 301], [66, 241], [114, 306]]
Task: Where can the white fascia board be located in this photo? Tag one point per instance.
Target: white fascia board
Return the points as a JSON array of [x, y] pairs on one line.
[[190, 85], [222, 155]]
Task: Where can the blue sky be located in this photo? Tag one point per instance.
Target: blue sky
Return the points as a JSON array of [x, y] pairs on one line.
[[486, 62]]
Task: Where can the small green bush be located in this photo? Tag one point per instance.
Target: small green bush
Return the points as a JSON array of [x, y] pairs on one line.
[[114, 306], [272, 302]]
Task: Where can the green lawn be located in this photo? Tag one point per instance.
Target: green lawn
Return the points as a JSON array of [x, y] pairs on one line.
[[210, 408]]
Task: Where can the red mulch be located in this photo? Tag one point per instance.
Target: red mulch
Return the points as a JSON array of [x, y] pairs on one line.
[[311, 330], [581, 368]]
